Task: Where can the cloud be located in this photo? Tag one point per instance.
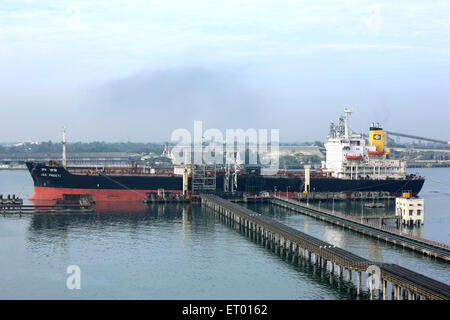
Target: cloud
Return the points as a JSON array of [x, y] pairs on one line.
[[373, 22], [260, 63], [177, 96], [74, 18]]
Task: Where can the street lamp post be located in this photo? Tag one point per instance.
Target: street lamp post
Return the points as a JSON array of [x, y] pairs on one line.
[[333, 203], [362, 211]]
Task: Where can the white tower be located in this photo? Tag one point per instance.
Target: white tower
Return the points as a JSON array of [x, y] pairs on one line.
[[185, 176], [307, 178], [347, 112]]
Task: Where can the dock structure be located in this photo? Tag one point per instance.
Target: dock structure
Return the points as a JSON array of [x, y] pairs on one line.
[[296, 246], [427, 247], [72, 203], [31, 209]]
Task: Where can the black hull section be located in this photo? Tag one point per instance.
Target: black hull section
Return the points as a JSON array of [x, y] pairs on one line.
[[267, 183], [58, 177], [394, 187]]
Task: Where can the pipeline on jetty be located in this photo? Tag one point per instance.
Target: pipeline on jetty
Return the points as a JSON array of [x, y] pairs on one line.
[[292, 244], [427, 247]]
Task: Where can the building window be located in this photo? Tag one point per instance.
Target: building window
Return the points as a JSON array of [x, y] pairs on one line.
[[419, 212], [410, 212]]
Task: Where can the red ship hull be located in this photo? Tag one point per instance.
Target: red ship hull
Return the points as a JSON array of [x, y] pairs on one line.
[[98, 195]]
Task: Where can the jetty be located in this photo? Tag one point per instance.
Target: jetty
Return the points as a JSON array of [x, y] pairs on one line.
[[294, 245], [379, 231]]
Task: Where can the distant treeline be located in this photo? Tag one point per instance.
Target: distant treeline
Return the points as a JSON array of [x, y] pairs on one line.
[[100, 146], [96, 146], [315, 143], [299, 160], [412, 155], [138, 147], [428, 145]]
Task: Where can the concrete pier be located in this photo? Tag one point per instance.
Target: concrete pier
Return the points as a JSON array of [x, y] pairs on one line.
[[424, 246], [358, 283], [283, 239], [339, 272]]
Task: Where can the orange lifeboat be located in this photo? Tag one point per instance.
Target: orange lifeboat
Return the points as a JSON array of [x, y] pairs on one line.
[[377, 153], [353, 157]]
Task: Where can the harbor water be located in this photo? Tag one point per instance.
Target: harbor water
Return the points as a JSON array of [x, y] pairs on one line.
[[180, 251]]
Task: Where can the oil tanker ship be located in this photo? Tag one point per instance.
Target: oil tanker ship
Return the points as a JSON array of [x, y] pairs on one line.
[[351, 168]]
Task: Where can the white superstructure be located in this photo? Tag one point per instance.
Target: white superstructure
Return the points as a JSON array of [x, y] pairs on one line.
[[349, 157], [409, 209]]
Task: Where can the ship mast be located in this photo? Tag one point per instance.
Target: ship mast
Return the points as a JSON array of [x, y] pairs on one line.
[[185, 175], [64, 160], [347, 112]]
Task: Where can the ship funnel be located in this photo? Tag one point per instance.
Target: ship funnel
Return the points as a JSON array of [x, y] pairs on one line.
[[376, 138]]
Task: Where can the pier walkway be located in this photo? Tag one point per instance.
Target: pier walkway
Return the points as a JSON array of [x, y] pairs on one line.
[[294, 245], [377, 230]]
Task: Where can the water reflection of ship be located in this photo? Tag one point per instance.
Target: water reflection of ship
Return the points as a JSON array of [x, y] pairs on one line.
[[120, 207], [64, 221], [58, 228], [125, 209], [106, 207]]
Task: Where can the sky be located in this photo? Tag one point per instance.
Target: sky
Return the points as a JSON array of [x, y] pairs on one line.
[[138, 70]]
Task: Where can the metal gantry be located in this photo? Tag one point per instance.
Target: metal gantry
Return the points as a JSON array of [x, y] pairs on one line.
[[203, 178]]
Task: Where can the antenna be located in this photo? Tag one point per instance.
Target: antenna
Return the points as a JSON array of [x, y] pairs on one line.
[[64, 160], [49, 149]]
